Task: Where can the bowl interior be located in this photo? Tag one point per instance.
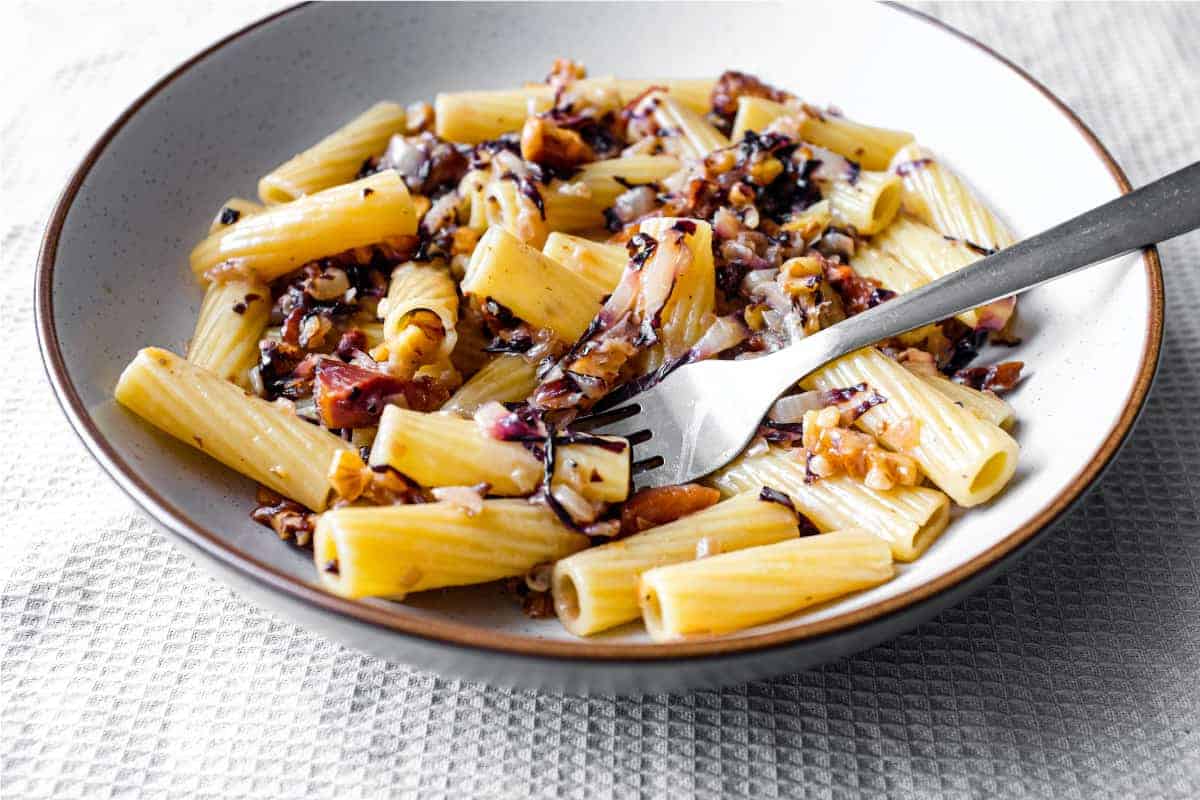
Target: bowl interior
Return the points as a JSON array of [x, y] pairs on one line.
[[120, 279]]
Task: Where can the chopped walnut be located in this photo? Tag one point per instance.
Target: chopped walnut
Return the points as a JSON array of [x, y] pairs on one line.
[[418, 117], [564, 70], [830, 449], [289, 520], [543, 142]]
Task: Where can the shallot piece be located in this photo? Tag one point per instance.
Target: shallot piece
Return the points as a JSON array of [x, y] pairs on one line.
[[467, 498]]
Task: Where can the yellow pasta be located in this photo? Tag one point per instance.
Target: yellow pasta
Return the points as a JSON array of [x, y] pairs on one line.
[[601, 177], [693, 136], [755, 114], [968, 458], [578, 204], [688, 312], [597, 588], [505, 206], [264, 441], [337, 158], [538, 290], [477, 116], [602, 264], [233, 210], [284, 237], [232, 319], [926, 252], [442, 449], [908, 518], [693, 93], [985, 405], [934, 194], [420, 317], [871, 147], [504, 379], [877, 264], [869, 202], [394, 550], [474, 117], [733, 591]]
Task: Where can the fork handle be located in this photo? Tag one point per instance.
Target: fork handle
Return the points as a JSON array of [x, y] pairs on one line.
[[1154, 213]]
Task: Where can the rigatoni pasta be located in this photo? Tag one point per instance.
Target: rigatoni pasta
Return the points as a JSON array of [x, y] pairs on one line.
[[908, 518], [263, 441], [398, 343], [596, 589], [232, 320], [390, 552], [968, 458], [732, 591], [337, 158], [285, 237]]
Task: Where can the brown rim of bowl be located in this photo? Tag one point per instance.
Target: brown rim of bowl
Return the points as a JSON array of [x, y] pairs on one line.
[[465, 635]]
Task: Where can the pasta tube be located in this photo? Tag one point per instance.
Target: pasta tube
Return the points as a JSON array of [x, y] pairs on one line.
[[393, 550], [871, 147], [693, 93], [732, 591], [908, 518], [538, 290], [968, 458], [869, 202], [504, 206], [436, 449], [930, 254], [232, 319], [755, 114], [264, 441], [420, 316], [688, 312], [934, 194], [877, 264], [602, 264], [601, 177], [474, 117], [287, 236], [233, 210], [985, 405], [694, 136], [597, 588], [337, 158], [578, 204], [477, 116], [504, 379]]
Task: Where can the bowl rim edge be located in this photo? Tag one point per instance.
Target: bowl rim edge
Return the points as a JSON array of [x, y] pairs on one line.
[[448, 632]]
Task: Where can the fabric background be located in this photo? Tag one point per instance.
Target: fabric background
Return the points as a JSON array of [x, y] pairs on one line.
[[127, 673]]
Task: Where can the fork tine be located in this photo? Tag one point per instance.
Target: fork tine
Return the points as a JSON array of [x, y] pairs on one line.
[[646, 465], [591, 422], [633, 427]]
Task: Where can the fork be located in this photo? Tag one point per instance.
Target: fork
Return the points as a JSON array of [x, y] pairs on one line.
[[703, 414]]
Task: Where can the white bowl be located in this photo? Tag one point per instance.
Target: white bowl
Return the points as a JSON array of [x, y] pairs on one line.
[[113, 278]]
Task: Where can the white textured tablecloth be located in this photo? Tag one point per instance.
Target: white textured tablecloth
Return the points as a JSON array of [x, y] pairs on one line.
[[125, 672]]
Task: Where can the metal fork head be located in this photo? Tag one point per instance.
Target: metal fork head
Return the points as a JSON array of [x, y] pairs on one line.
[[694, 422]]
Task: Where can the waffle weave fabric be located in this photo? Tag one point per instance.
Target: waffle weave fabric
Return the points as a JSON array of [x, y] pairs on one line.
[[126, 672]]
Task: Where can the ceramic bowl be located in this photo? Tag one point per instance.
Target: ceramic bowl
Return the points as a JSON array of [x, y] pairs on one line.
[[113, 278]]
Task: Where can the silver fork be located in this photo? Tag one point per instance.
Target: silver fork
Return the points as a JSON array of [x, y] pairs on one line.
[[703, 414]]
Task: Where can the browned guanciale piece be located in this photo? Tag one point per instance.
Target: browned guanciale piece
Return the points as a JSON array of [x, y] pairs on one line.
[[996, 378], [543, 142], [349, 396], [651, 507], [733, 84]]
